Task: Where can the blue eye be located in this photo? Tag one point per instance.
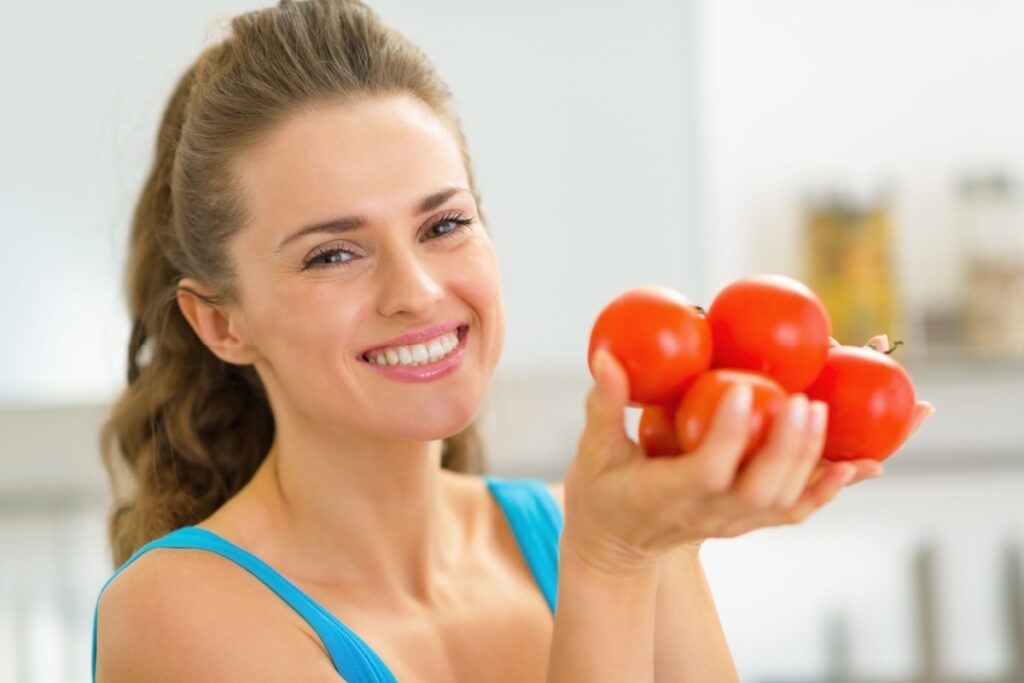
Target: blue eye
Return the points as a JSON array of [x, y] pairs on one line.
[[459, 224], [330, 257]]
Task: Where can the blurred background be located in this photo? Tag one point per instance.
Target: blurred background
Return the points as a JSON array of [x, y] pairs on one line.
[[873, 149]]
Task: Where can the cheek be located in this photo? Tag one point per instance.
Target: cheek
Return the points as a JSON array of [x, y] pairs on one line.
[[305, 328], [479, 285], [309, 344], [474, 274]]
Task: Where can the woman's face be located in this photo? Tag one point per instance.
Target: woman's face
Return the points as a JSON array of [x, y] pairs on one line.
[[313, 303]]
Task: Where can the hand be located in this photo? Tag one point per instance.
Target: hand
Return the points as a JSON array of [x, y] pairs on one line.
[[922, 411], [623, 510], [866, 468]]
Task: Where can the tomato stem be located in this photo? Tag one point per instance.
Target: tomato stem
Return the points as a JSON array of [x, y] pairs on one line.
[[894, 346], [875, 347]]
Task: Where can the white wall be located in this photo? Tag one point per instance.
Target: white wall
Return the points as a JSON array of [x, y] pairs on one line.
[[799, 93], [580, 120]]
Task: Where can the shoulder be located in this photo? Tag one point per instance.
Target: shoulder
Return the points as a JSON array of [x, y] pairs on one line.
[[557, 489], [174, 615]]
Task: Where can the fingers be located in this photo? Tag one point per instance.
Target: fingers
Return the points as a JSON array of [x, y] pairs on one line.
[[922, 411], [879, 342], [827, 480], [865, 468], [711, 467], [765, 477], [820, 468], [814, 443], [834, 478]]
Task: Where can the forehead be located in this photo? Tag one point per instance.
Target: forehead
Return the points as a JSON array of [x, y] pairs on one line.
[[374, 157]]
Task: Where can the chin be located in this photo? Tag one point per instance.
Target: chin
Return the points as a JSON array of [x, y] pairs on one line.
[[443, 420]]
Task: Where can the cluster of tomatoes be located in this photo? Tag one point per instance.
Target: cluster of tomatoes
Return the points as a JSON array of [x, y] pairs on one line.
[[769, 331]]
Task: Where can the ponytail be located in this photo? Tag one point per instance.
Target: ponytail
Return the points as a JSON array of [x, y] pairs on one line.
[[190, 428]]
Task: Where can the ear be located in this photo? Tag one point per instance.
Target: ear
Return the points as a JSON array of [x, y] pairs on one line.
[[220, 328]]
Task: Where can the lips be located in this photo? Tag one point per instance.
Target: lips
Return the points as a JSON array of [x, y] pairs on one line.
[[418, 337]]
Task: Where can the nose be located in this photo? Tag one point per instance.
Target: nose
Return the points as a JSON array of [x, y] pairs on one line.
[[407, 285]]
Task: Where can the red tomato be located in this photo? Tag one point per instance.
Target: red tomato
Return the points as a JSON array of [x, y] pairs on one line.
[[660, 338], [870, 400], [771, 324], [697, 409], [657, 430]]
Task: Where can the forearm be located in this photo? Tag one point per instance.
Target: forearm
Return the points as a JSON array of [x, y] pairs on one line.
[[690, 645], [604, 625]]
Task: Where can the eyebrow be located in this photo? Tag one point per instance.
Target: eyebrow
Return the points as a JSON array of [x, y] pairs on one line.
[[340, 225]]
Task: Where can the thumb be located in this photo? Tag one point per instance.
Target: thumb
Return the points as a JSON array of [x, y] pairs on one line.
[[607, 400]]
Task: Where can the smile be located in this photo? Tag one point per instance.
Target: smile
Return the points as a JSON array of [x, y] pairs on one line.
[[411, 355]]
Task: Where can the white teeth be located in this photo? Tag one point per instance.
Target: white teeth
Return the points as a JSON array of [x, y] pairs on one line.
[[418, 354]]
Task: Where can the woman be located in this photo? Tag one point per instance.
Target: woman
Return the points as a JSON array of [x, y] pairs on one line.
[[317, 315]]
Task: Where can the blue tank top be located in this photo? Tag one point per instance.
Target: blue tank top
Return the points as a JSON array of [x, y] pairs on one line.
[[532, 512]]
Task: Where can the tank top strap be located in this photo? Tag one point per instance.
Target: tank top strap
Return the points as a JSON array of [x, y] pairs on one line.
[[351, 656], [536, 521]]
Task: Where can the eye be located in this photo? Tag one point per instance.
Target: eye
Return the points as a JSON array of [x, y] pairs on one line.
[[336, 257], [457, 221], [328, 257]]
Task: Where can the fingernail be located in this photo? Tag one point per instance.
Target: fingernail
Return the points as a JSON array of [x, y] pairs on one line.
[[742, 397], [797, 409], [819, 416], [599, 362], [848, 475]]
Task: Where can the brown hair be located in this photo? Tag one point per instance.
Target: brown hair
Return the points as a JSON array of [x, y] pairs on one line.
[[191, 429]]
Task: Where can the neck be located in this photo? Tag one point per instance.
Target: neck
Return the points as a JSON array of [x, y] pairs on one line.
[[359, 512]]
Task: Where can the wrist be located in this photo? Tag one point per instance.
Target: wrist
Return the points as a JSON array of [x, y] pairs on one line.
[[690, 549], [613, 566]]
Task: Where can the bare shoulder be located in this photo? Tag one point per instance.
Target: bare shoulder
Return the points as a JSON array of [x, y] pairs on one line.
[[180, 614], [474, 487], [557, 489]]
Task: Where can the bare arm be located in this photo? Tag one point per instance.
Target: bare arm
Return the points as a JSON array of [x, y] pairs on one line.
[[604, 625], [690, 645], [632, 517], [688, 641]]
